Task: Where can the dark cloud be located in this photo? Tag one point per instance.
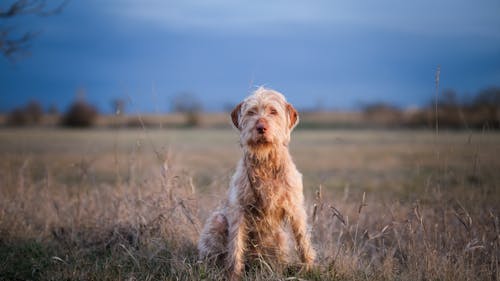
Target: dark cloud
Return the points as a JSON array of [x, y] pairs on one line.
[[341, 54]]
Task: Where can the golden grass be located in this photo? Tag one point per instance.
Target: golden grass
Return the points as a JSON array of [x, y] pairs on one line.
[[128, 205]]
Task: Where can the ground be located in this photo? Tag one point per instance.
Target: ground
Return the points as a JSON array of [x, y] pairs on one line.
[[129, 204]]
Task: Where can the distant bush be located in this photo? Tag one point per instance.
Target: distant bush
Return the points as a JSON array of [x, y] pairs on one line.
[[483, 110], [17, 117], [80, 114], [449, 113], [188, 104], [29, 115]]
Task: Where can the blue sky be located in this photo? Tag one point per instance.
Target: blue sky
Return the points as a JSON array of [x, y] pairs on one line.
[[337, 54]]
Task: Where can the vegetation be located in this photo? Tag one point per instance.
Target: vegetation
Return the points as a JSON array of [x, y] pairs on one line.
[[481, 111], [189, 105], [80, 114], [29, 115], [12, 44], [113, 205]]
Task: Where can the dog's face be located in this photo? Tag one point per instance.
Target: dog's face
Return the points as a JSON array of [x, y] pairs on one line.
[[264, 119]]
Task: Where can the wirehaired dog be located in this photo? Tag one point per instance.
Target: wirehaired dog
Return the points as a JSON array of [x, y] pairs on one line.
[[265, 196]]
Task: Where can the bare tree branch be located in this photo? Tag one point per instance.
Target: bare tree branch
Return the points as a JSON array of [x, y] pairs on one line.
[[23, 7], [12, 45], [13, 48]]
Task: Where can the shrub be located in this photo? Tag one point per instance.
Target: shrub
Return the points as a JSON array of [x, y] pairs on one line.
[[80, 114], [17, 117], [188, 104], [31, 114]]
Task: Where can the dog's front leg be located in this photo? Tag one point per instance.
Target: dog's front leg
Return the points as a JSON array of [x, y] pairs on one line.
[[237, 244], [298, 221]]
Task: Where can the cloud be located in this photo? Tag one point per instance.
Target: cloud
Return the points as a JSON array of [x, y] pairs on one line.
[[220, 14], [449, 17]]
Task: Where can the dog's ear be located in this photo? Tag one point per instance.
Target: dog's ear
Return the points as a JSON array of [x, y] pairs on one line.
[[293, 116], [235, 115]]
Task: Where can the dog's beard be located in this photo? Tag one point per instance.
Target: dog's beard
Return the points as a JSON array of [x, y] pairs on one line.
[[261, 139], [260, 146]]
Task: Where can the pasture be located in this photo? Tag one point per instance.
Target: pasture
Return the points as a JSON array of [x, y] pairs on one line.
[[129, 204]]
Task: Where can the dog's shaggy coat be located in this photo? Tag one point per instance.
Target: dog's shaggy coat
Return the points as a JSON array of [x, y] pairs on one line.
[[265, 194]]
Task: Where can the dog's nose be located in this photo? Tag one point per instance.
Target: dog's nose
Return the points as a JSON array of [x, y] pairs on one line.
[[261, 127]]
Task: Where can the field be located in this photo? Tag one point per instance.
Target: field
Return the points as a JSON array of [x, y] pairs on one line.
[[129, 204]]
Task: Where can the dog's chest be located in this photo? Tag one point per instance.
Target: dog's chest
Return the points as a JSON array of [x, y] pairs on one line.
[[268, 198]]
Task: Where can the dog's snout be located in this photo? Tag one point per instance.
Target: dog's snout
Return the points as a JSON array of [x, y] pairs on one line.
[[261, 126]]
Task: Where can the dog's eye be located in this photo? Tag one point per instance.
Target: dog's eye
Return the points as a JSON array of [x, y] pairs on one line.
[[274, 111], [251, 113]]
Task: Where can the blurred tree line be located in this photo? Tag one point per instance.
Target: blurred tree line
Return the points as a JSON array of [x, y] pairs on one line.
[[480, 111], [477, 112], [79, 114], [82, 114]]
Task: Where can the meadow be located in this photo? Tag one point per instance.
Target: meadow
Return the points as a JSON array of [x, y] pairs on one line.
[[111, 204]]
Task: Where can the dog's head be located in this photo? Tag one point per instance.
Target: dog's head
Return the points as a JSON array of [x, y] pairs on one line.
[[264, 120]]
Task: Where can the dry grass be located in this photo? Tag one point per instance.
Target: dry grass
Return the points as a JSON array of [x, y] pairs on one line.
[[128, 205]]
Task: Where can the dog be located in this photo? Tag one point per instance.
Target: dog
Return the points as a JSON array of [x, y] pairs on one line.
[[265, 197]]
